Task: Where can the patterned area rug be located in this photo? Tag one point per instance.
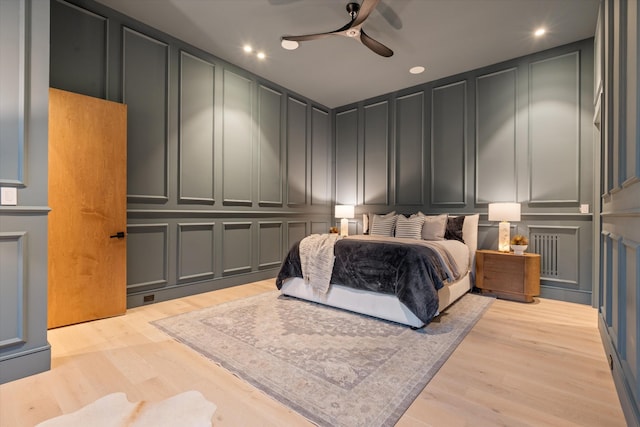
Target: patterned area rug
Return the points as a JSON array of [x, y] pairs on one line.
[[334, 367]]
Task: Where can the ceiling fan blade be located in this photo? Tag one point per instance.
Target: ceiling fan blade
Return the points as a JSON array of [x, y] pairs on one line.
[[390, 15], [375, 45], [366, 8], [307, 37]]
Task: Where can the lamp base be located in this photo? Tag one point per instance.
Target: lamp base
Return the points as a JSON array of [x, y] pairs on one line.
[[344, 227], [504, 236]]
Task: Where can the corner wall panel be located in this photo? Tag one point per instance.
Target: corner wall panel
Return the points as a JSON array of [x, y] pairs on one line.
[[496, 137], [296, 152], [409, 152], [196, 251], [376, 154], [145, 91], [320, 157], [554, 127], [197, 81], [81, 62], [13, 101], [270, 146], [448, 144], [237, 146], [346, 157]]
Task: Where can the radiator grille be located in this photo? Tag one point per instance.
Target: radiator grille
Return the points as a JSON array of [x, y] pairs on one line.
[[546, 245]]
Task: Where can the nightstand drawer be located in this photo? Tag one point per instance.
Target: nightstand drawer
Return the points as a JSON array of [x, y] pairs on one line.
[[507, 275]]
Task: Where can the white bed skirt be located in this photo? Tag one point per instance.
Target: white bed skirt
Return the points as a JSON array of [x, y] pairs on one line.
[[383, 306]]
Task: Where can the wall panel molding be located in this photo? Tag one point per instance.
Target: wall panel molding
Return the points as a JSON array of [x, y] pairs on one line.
[[554, 126], [449, 144], [146, 92], [238, 135], [270, 239], [629, 347], [196, 253], [82, 65], [409, 149], [346, 143], [195, 137], [15, 22], [270, 146], [376, 154], [496, 112], [559, 249], [147, 256], [236, 247], [296, 231], [296, 152], [321, 143], [13, 304]]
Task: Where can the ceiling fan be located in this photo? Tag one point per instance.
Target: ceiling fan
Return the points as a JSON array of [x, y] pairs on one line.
[[359, 13]]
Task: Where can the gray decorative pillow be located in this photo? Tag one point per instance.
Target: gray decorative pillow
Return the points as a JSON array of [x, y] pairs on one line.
[[383, 225], [454, 228], [409, 228], [434, 227]]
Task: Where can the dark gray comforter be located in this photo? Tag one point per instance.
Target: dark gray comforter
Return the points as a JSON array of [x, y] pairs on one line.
[[413, 273]]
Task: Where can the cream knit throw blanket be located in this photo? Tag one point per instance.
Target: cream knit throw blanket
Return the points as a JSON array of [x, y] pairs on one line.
[[316, 260]]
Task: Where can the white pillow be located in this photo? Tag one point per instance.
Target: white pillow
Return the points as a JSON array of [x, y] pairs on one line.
[[434, 227], [409, 228], [383, 225]]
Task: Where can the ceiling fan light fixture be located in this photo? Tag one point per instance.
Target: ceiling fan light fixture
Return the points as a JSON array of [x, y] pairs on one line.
[[353, 32], [289, 44], [416, 70]]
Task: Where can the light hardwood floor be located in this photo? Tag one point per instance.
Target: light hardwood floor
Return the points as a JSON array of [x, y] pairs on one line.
[[539, 364]]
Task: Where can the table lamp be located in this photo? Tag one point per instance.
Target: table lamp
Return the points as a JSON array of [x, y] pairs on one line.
[[344, 212], [504, 212]]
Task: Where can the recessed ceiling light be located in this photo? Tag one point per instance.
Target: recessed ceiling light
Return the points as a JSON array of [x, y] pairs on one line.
[[289, 44], [539, 32], [416, 70], [247, 48], [261, 55]]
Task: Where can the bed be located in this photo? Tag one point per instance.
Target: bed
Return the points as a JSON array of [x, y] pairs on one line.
[[390, 304]]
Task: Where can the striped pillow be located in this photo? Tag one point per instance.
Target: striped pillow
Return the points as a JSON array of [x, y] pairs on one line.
[[383, 225], [409, 228]]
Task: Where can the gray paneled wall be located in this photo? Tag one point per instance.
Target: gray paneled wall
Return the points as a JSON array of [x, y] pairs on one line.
[[409, 150], [518, 131], [448, 145], [554, 127], [196, 137], [145, 91], [496, 113], [223, 167], [24, 103], [616, 122]]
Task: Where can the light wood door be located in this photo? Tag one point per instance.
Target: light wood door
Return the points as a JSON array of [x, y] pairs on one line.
[[87, 196]]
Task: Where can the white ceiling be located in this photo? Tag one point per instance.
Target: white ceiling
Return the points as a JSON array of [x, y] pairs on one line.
[[445, 36]]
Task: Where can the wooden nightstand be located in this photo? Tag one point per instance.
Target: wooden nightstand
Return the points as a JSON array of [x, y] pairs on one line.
[[509, 276]]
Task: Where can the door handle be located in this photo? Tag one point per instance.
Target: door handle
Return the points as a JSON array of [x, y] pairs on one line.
[[118, 235]]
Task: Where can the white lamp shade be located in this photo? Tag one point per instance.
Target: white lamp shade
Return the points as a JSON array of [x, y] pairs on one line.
[[345, 211], [504, 211]]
